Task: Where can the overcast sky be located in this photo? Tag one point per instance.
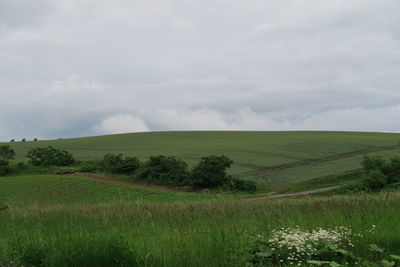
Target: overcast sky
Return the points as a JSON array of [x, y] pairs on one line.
[[72, 68]]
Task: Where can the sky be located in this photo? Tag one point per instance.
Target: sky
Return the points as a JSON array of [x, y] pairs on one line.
[[71, 68]]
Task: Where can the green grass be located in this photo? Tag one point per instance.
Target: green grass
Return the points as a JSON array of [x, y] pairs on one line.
[[206, 233], [300, 155], [57, 189]]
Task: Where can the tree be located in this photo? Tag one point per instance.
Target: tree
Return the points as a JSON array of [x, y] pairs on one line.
[[164, 170], [370, 163], [49, 156], [119, 164], [211, 172], [6, 154], [375, 180]]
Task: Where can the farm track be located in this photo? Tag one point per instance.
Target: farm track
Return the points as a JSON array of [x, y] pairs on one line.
[[302, 193], [112, 180]]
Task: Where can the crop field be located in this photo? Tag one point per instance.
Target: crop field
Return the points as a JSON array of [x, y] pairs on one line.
[[270, 158], [56, 189]]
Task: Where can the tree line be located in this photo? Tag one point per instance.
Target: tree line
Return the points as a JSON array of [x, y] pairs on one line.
[[210, 172]]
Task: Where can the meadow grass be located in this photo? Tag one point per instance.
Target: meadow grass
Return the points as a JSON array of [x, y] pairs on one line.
[[300, 155], [199, 233], [59, 189]]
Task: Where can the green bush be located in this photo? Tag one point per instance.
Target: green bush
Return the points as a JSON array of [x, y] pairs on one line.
[[118, 164], [6, 154], [370, 163], [4, 170], [89, 166], [49, 156], [164, 170], [211, 172], [375, 180], [243, 185]]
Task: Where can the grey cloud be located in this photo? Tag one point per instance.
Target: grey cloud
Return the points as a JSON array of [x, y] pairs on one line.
[[85, 66]]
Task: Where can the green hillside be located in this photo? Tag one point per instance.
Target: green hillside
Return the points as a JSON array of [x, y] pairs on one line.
[[57, 189], [271, 158]]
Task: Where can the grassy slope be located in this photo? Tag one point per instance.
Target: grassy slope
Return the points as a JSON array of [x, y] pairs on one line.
[[252, 152], [55, 189]]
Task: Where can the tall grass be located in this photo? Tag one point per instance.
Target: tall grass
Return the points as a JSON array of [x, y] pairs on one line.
[[206, 233]]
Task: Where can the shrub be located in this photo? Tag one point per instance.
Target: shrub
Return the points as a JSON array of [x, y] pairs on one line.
[[370, 163], [6, 154], [243, 185], [165, 170], [49, 156], [4, 170], [211, 172], [375, 180], [393, 170], [118, 164], [89, 166]]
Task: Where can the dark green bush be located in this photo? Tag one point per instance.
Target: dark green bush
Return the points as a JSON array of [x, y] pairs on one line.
[[375, 180], [6, 154], [370, 163], [89, 166], [243, 185], [164, 170], [211, 172], [118, 164], [49, 156], [4, 170]]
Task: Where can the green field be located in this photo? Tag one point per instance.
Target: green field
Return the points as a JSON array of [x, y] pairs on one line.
[[55, 220], [56, 189], [270, 158]]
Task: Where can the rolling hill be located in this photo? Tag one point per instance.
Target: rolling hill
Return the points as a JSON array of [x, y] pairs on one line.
[[271, 158]]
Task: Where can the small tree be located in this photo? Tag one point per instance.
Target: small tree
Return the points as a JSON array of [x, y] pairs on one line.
[[393, 170], [165, 170], [375, 180], [6, 154], [119, 164], [211, 172], [12, 140], [23, 140], [49, 156], [370, 163]]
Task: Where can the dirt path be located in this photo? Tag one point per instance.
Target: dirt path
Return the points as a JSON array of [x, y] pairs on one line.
[[303, 193]]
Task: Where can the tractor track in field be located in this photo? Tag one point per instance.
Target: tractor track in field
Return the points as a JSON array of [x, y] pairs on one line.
[[315, 161], [302, 193], [113, 180]]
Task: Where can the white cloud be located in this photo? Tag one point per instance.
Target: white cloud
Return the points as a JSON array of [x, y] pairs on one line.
[[123, 123], [198, 119]]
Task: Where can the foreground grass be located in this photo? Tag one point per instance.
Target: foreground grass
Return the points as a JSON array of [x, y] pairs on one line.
[[206, 233], [299, 156]]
